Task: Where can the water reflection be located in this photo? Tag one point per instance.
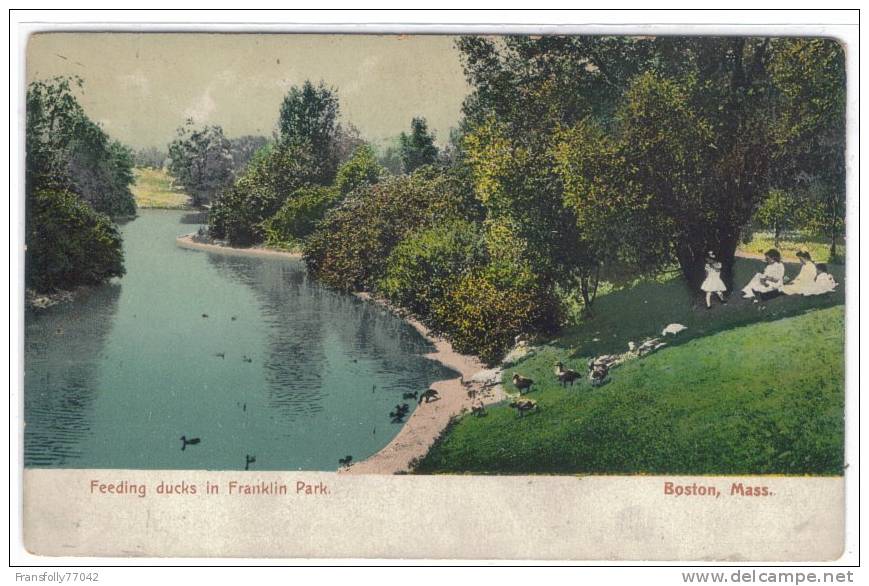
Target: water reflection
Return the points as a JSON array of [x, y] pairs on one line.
[[247, 353], [198, 218], [305, 318], [63, 348]]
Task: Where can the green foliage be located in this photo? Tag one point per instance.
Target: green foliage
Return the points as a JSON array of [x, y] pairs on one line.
[[809, 75], [274, 173], [308, 118], [360, 170], [68, 243], [778, 212], [514, 180], [679, 174], [201, 161], [67, 151], [482, 316], [417, 149], [425, 265], [243, 149], [299, 216], [389, 157], [350, 248], [665, 146]]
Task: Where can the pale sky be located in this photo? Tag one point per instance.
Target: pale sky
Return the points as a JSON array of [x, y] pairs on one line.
[[140, 87]]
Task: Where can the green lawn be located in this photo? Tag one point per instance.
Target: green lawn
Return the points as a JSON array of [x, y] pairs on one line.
[[154, 189], [790, 244], [747, 389]]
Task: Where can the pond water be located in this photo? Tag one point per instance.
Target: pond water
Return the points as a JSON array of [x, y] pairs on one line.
[[281, 368]]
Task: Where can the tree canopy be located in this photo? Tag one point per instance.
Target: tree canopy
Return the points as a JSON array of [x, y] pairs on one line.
[[417, 148], [661, 148], [67, 151], [200, 159], [309, 117]]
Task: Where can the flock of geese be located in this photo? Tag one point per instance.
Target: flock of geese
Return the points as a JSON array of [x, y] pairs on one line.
[[598, 368]]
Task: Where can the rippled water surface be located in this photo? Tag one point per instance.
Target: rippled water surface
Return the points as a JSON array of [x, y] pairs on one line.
[[281, 369]]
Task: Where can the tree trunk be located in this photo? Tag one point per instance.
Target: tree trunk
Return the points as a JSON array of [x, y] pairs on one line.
[[692, 264], [589, 289], [776, 235]]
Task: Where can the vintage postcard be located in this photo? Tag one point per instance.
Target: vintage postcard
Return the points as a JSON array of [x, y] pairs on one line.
[[529, 296]]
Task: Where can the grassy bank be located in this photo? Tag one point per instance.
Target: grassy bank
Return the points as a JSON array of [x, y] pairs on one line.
[[154, 189], [746, 389]]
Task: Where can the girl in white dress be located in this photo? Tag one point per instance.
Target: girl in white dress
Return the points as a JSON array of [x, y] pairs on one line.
[[770, 281], [713, 283], [805, 281]]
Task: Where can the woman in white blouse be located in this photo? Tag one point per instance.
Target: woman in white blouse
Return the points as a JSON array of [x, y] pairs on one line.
[[805, 281], [771, 280]]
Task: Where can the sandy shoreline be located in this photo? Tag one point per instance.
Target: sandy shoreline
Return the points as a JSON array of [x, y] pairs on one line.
[[429, 419], [187, 241]]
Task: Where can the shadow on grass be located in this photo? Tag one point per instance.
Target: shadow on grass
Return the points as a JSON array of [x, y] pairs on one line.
[[642, 311]]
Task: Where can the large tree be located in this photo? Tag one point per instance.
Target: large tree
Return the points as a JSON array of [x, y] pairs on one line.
[[67, 151], [663, 147], [200, 159], [309, 118], [520, 100]]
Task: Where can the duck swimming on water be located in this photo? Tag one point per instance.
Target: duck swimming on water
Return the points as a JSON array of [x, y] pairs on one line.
[[188, 442]]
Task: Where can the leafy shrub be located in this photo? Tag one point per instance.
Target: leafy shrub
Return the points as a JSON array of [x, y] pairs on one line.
[[299, 215], [272, 176], [68, 243], [362, 169], [350, 247], [423, 267], [482, 316]]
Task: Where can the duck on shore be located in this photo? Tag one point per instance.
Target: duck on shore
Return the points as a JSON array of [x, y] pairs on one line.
[[428, 396], [523, 383], [565, 375], [523, 406]]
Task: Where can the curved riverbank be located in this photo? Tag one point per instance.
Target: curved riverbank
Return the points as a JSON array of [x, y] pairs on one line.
[[187, 241], [429, 420]]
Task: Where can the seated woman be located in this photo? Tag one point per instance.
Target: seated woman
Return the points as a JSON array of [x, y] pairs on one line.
[[823, 283], [770, 281], [804, 281]]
